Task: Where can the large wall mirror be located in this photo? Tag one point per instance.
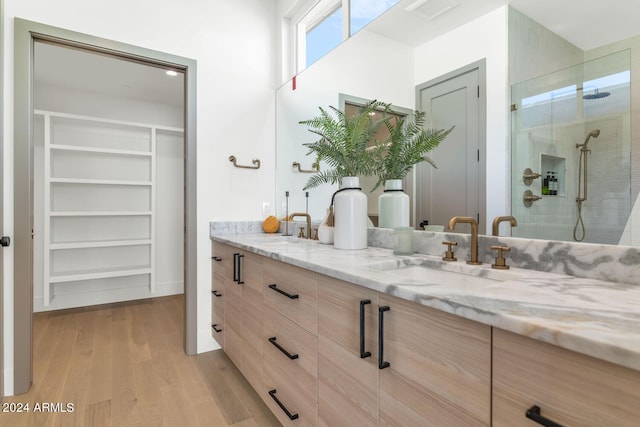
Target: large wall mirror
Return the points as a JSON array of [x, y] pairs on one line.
[[403, 49]]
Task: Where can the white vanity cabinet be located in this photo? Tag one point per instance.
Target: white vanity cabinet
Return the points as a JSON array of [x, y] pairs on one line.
[[559, 386], [412, 366]]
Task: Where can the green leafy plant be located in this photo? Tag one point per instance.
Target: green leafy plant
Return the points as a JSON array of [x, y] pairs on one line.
[[406, 145], [343, 143]]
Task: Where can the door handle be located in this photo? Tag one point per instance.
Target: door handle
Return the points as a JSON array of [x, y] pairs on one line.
[[5, 241]]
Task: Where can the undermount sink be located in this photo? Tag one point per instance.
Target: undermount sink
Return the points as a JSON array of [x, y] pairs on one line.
[[434, 269]]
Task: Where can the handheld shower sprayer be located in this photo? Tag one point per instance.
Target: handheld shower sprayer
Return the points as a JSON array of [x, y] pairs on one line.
[[582, 184], [593, 134]]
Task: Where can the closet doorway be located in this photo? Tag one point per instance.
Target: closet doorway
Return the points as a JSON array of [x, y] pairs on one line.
[[106, 133]]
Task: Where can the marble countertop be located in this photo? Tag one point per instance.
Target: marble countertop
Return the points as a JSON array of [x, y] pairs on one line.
[[593, 317]]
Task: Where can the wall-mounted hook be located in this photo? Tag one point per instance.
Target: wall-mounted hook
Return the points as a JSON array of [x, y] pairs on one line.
[[256, 163], [315, 166]]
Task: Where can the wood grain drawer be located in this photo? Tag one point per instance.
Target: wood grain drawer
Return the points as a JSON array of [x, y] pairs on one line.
[[293, 292], [570, 389], [290, 368]]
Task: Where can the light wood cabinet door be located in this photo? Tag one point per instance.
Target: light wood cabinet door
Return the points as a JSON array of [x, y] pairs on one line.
[[232, 309], [292, 291], [290, 368], [439, 371], [252, 318], [347, 383], [569, 388]]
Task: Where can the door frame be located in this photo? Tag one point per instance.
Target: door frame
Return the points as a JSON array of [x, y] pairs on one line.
[[481, 67], [26, 33], [2, 206]]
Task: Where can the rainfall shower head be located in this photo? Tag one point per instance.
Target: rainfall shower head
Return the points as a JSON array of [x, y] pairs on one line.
[[596, 95]]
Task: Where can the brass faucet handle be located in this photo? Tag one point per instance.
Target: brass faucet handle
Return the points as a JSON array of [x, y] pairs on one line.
[[301, 233], [500, 263], [448, 256], [315, 233]]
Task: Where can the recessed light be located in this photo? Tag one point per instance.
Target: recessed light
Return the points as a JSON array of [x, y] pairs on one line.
[[171, 73]]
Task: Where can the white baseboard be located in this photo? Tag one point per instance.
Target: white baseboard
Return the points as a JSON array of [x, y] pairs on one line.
[[106, 296]]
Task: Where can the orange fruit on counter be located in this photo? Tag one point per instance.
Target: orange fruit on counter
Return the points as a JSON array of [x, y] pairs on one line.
[[270, 224]]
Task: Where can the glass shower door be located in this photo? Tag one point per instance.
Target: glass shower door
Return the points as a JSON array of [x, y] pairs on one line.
[[558, 121]]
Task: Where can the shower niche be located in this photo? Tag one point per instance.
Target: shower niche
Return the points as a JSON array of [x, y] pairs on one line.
[[552, 181]]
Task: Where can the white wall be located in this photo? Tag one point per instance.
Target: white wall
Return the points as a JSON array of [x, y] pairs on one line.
[[485, 37], [234, 45]]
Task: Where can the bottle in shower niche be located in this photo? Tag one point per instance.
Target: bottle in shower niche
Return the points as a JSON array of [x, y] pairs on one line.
[[554, 184], [546, 184]]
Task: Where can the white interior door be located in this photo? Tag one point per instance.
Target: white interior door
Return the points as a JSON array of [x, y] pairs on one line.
[[455, 187]]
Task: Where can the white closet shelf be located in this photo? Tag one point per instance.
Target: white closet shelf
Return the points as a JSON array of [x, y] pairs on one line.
[[101, 213], [99, 244], [100, 182], [100, 150], [98, 274]]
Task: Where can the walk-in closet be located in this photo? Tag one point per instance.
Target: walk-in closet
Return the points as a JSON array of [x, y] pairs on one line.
[[108, 179]]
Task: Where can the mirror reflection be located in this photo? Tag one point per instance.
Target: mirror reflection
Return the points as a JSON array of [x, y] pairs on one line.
[[390, 58]]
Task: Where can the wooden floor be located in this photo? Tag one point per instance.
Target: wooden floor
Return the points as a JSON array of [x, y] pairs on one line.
[[124, 365]]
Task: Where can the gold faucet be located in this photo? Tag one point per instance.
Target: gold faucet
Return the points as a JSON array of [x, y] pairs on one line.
[[290, 218], [474, 235], [497, 220]]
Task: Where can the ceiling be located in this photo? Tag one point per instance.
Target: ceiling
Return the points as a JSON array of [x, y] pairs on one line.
[[93, 72], [585, 23]]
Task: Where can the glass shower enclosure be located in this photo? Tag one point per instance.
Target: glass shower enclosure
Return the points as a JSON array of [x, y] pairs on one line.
[[570, 153]]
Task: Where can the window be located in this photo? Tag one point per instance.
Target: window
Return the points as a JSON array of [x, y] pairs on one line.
[[328, 23], [323, 37]]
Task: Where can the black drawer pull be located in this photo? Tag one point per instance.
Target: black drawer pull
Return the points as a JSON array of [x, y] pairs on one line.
[[291, 416], [363, 353], [215, 258], [272, 340], [215, 327], [286, 294], [381, 363], [237, 268], [533, 413], [216, 293]]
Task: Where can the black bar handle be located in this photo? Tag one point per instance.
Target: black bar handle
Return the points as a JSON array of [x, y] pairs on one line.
[[291, 416], [286, 294], [216, 293], [216, 258], [363, 353], [237, 268], [533, 413], [215, 327], [272, 340], [381, 363]]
